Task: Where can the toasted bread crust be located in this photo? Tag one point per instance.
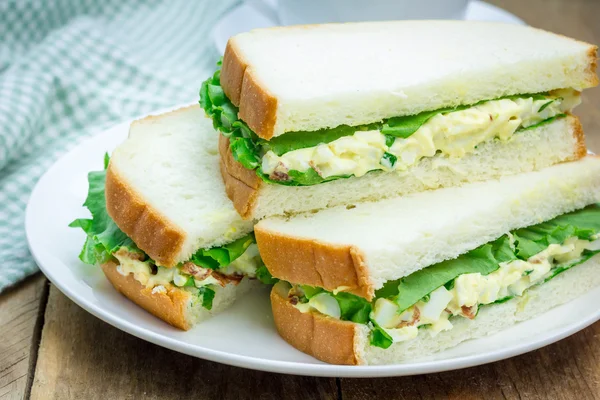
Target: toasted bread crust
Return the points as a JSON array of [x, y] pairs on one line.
[[150, 230], [314, 263], [241, 185], [593, 65], [257, 107], [327, 339], [580, 149], [232, 73], [169, 306]]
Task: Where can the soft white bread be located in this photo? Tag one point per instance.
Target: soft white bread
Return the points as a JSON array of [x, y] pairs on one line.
[[173, 305], [343, 342], [561, 140], [358, 249], [164, 191], [303, 78]]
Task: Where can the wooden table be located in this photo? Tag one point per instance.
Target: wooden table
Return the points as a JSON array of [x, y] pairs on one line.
[[52, 349]]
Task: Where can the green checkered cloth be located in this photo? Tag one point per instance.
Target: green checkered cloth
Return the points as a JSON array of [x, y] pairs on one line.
[[72, 68]]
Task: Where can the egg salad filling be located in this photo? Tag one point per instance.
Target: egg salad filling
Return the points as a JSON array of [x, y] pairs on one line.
[[429, 300], [200, 280], [451, 134], [204, 273], [308, 158]]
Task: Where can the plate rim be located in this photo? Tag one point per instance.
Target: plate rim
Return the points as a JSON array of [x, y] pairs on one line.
[[267, 365]]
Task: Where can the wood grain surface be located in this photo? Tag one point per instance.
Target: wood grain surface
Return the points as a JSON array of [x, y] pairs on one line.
[[19, 333], [81, 357]]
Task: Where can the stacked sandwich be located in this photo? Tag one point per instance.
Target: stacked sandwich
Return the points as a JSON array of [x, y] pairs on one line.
[[362, 121], [410, 185]]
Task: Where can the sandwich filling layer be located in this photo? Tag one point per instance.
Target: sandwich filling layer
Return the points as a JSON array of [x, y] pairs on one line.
[[308, 158], [427, 301], [203, 274]]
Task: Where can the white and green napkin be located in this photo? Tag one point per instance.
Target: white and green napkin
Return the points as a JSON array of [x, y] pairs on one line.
[[71, 68]]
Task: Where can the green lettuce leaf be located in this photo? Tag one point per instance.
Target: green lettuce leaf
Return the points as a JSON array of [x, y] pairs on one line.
[[207, 295], [405, 126], [484, 260], [534, 239], [353, 308], [218, 257], [311, 291], [301, 140], [244, 151], [225, 119], [103, 235], [379, 337], [544, 122], [298, 178], [263, 275]]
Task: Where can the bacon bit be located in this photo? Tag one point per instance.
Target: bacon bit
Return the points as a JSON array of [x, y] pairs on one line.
[[279, 176], [280, 173], [314, 166], [295, 292], [469, 312], [415, 318], [200, 274], [294, 300], [226, 279], [197, 272], [491, 118], [123, 252]]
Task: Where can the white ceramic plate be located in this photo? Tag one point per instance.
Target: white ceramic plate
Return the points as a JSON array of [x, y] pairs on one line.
[[244, 335], [261, 14]]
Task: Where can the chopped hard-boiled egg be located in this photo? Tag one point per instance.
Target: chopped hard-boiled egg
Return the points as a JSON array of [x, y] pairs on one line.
[[432, 309], [452, 134], [325, 304]]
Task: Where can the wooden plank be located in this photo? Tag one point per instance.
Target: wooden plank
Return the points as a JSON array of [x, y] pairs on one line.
[[81, 357], [19, 313]]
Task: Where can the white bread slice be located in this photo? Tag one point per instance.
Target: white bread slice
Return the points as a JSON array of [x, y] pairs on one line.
[[360, 248], [164, 191], [303, 78], [175, 306], [561, 140], [343, 342]]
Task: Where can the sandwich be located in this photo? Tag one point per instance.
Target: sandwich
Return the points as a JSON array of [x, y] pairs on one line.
[[313, 117], [162, 228], [379, 283]]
